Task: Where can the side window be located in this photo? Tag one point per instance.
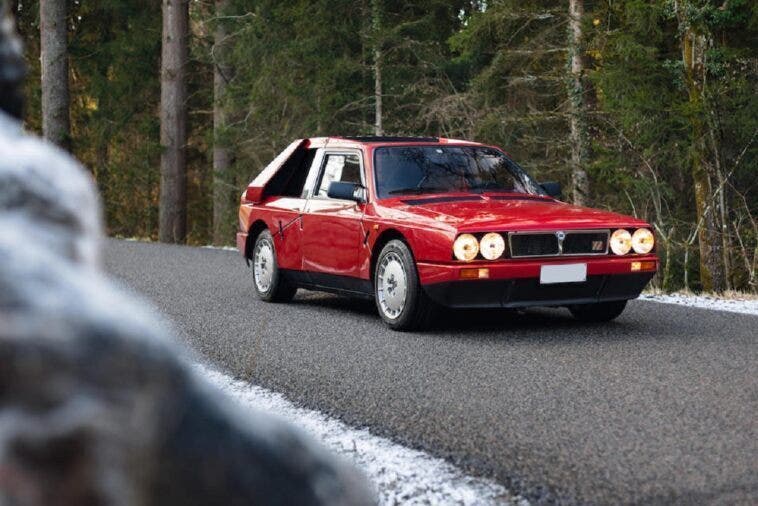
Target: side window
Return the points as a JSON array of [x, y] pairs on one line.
[[343, 168], [289, 180], [296, 182]]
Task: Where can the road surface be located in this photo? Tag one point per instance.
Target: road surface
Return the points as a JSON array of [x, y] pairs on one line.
[[660, 406]]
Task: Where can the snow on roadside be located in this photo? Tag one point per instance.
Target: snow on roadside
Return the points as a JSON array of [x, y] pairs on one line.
[[223, 248], [400, 475], [735, 305]]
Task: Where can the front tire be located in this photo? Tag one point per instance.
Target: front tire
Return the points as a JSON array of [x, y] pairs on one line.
[[267, 279], [400, 299], [598, 312]]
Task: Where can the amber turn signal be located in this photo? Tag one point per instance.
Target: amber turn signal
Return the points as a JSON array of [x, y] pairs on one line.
[[643, 266], [474, 273]]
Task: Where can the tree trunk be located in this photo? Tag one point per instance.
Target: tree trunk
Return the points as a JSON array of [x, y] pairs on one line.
[[377, 32], [54, 58], [722, 203], [222, 154], [172, 215], [712, 271], [578, 137]]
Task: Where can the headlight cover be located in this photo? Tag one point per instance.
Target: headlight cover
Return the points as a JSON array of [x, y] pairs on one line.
[[621, 242], [643, 241], [492, 246], [466, 247]]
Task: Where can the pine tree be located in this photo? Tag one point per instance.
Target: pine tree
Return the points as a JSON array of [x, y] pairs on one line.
[[517, 53], [54, 55], [223, 189], [173, 200], [377, 13], [694, 45], [578, 135]]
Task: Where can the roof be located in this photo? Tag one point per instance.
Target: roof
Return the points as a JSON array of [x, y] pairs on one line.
[[382, 138], [255, 189], [356, 141]]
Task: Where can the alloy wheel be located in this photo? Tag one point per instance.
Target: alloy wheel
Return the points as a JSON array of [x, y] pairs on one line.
[[392, 285], [263, 265]]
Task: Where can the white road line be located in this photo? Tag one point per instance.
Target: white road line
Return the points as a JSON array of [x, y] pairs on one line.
[[744, 306], [399, 474]]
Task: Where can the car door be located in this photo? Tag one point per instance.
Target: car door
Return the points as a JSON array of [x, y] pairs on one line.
[[286, 199], [332, 229]]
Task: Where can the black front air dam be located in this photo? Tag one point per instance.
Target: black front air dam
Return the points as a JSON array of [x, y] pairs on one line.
[[524, 292]]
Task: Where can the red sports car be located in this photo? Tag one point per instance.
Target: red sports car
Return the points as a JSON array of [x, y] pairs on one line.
[[419, 223]]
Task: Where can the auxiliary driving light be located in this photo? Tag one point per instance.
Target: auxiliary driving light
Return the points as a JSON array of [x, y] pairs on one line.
[[466, 247], [621, 242], [643, 241], [492, 246]]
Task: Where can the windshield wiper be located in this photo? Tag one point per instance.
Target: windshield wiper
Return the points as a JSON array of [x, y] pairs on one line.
[[415, 190]]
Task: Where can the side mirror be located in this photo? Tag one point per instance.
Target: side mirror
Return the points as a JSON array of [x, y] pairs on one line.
[[346, 191], [552, 188]]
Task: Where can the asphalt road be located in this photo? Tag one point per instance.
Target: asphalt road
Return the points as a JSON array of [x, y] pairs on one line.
[[660, 406]]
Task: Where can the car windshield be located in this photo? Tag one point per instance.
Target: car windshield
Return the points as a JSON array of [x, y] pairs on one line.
[[442, 169]]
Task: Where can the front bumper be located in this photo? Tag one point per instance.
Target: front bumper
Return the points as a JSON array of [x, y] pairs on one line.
[[513, 284]]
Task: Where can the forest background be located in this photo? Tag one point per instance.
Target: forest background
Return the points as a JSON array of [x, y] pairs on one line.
[[645, 107]]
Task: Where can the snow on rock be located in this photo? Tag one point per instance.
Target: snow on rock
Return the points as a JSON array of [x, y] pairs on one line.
[[48, 194], [98, 404], [400, 475], [734, 305]]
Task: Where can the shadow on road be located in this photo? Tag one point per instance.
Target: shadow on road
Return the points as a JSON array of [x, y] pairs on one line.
[[453, 321]]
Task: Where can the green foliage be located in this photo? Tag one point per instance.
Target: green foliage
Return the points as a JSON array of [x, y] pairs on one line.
[[491, 71], [516, 55], [113, 46], [641, 89]]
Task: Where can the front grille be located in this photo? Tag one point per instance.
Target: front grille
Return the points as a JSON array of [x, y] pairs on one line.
[[546, 244], [534, 245], [589, 243]]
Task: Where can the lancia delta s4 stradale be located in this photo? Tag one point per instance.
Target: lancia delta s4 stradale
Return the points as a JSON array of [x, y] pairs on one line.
[[422, 223]]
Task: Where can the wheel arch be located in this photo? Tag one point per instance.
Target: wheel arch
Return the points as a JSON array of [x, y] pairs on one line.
[[256, 228], [385, 237]]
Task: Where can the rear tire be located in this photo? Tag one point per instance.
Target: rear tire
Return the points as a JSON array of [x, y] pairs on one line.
[[400, 298], [267, 279], [598, 312]]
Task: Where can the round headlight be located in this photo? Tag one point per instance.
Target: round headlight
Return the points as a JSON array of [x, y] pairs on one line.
[[643, 241], [492, 246], [621, 242], [466, 247]]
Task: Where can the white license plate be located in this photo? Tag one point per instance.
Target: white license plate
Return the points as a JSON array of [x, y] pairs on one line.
[[567, 273]]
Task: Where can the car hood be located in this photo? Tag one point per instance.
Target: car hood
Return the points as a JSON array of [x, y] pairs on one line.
[[481, 213]]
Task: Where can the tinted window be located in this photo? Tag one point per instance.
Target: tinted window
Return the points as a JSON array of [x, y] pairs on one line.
[[419, 169], [344, 168]]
